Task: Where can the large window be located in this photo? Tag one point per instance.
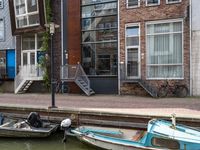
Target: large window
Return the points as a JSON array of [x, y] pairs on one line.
[[27, 16], [99, 37], [132, 3], [2, 29], [31, 45], [132, 51], [165, 50], [26, 13]]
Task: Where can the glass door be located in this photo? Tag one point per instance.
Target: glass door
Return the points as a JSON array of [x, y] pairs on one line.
[[28, 61], [133, 51]]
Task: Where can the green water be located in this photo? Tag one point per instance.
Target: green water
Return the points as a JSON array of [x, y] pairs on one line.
[[52, 143]]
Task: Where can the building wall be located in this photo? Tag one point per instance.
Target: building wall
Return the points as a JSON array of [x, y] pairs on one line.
[[9, 42], [144, 14], [195, 47]]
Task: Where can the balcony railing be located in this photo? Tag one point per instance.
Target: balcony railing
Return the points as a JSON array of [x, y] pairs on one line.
[[28, 72]]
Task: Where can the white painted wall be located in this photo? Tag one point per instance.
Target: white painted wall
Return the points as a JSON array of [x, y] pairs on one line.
[[195, 44], [195, 15]]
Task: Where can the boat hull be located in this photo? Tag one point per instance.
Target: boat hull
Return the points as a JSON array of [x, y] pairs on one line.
[[109, 145], [24, 133]]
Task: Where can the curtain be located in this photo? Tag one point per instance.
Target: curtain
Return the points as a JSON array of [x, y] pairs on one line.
[[164, 49]]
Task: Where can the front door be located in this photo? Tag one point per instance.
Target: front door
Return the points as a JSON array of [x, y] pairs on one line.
[[10, 61], [133, 63], [28, 61], [133, 51]]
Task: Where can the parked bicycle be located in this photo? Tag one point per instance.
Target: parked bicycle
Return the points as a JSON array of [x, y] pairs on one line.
[[176, 90]]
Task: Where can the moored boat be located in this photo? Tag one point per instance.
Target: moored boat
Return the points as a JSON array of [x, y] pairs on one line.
[[160, 135], [32, 127]]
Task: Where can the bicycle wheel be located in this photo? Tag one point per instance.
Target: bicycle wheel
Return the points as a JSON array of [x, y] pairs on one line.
[[162, 91], [181, 91]]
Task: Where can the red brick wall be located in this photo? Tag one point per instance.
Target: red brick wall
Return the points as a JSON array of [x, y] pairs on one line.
[[144, 14]]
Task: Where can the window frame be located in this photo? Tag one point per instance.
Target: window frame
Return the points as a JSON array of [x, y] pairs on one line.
[[3, 29], [146, 36], [133, 47], [168, 2], [129, 7], [2, 4], [152, 4], [35, 50], [34, 28]]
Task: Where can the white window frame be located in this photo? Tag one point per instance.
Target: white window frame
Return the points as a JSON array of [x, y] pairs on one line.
[[2, 29], [37, 49], [152, 4], [26, 15], [166, 21], [127, 1], [2, 4], [138, 47], [168, 2]]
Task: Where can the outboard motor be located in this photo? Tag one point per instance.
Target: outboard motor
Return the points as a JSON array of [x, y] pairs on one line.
[[66, 125], [34, 120]]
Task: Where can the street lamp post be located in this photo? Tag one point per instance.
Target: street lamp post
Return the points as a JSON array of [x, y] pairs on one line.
[[52, 26]]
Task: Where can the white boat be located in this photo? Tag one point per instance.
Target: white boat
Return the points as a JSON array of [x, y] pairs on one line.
[[15, 128], [160, 135]]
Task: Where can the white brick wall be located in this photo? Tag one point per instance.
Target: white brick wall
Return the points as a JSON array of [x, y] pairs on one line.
[[196, 63]]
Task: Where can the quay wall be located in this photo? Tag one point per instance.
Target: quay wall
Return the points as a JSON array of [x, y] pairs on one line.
[[92, 117]]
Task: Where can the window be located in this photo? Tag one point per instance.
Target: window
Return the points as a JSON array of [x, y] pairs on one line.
[[132, 51], [1, 4], [172, 1], [152, 2], [132, 3], [99, 37], [27, 13], [27, 16], [31, 45], [165, 143], [165, 50], [2, 29]]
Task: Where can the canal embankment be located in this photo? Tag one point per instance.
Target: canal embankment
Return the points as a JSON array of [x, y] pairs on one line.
[[104, 110]]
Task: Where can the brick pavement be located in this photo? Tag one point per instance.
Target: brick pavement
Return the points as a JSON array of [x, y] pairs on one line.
[[183, 107]]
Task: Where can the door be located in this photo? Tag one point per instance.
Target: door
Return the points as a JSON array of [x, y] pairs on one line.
[[133, 51], [28, 62], [10, 61], [133, 63]]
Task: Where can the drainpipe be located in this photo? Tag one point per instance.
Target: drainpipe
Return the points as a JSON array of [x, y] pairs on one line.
[[119, 84], [191, 70], [62, 51]]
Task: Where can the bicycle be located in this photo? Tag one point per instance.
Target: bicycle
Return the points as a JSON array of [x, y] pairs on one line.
[[176, 90]]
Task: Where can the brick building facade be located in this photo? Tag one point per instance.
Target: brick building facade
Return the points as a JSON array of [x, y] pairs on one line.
[[159, 14], [126, 47]]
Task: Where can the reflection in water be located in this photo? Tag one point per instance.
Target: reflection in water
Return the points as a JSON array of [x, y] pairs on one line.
[[52, 143]]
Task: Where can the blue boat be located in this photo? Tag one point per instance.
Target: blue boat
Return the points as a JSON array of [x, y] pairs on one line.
[[160, 135]]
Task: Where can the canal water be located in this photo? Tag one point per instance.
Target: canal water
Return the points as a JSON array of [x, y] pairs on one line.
[[54, 142]]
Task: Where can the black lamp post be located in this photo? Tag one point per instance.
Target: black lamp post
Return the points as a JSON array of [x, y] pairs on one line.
[[52, 27]]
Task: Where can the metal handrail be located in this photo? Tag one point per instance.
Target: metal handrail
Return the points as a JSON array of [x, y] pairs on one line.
[[76, 74], [27, 71]]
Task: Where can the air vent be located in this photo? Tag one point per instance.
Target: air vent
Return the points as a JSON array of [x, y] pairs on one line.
[[1, 4]]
